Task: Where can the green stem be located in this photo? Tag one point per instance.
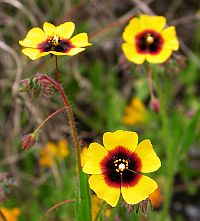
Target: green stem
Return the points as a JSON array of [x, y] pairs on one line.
[[57, 71], [150, 81], [100, 214], [171, 156], [169, 190]]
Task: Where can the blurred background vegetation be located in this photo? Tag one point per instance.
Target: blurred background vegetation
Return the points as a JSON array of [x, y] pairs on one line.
[[100, 83]]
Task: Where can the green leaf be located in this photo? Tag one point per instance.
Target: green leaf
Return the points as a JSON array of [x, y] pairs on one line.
[[188, 135], [84, 206]]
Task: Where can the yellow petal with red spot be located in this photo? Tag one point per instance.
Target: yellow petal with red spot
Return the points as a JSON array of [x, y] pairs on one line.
[[169, 36], [33, 53], [132, 54], [109, 194], [149, 160], [155, 23], [95, 154], [126, 139], [49, 29], [33, 38], [161, 57], [80, 40], [140, 191], [133, 28], [65, 30]]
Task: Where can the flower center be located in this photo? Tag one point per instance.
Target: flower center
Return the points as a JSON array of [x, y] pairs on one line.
[[149, 42], [55, 43], [54, 40], [121, 165], [149, 39]]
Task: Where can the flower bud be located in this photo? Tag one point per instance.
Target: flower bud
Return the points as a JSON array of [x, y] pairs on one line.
[[25, 85], [155, 105], [142, 205], [28, 141], [41, 84]]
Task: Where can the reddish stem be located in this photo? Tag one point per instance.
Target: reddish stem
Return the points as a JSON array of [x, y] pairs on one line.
[[57, 72], [55, 206], [49, 117], [70, 116]]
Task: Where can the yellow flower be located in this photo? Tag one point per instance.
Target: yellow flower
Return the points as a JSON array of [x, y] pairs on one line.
[[96, 205], [145, 39], [135, 112], [118, 167], [11, 214], [156, 198], [62, 149], [53, 40], [53, 150]]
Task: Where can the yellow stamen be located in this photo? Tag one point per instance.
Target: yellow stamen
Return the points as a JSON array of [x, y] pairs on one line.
[[149, 39], [55, 40]]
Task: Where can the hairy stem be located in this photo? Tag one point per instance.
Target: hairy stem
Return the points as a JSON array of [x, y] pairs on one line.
[[48, 118], [70, 117]]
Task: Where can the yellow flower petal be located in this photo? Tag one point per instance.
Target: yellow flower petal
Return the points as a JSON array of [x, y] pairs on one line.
[[109, 194], [161, 57], [65, 30], [33, 53], [95, 154], [83, 155], [135, 112], [150, 161], [11, 214], [49, 29], [156, 23], [63, 150], [131, 53], [71, 52], [140, 191], [133, 28], [33, 38], [80, 40], [51, 149], [169, 36], [126, 139]]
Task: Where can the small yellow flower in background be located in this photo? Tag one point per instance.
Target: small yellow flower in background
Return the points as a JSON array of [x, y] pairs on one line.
[[53, 40], [118, 166], [11, 214], [156, 198], [96, 205], [145, 39], [135, 112], [51, 151]]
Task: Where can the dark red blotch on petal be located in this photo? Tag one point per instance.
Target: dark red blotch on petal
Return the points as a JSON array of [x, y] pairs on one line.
[[63, 46], [143, 47], [128, 177]]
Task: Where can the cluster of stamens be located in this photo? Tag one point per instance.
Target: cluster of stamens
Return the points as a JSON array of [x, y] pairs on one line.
[[149, 39], [121, 165], [54, 40]]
